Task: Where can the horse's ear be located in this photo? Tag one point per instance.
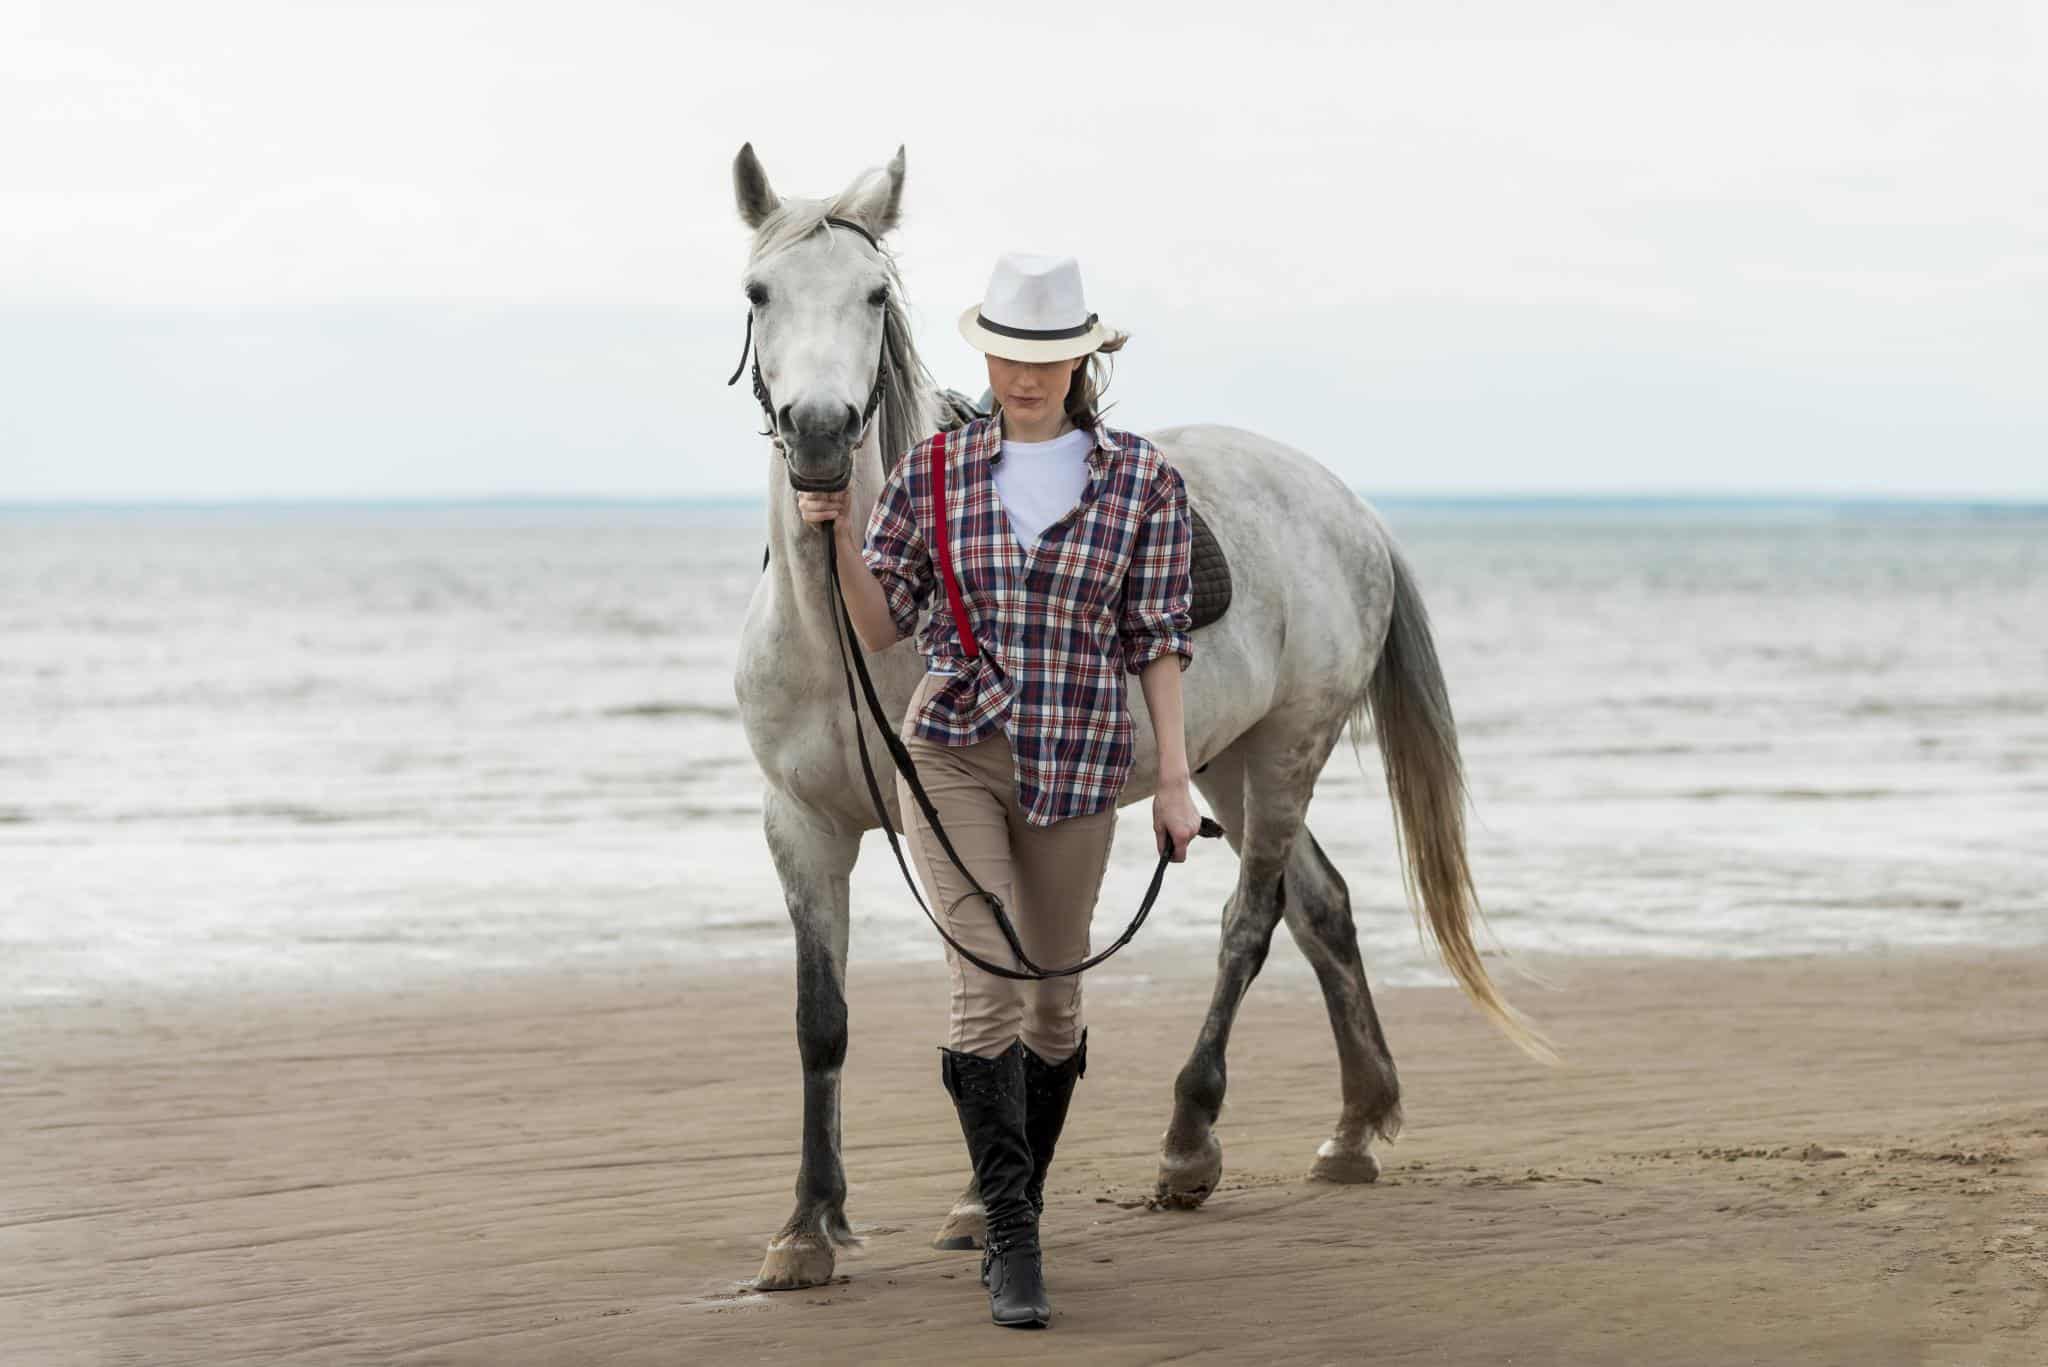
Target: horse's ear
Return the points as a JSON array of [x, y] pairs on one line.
[[876, 197], [750, 188]]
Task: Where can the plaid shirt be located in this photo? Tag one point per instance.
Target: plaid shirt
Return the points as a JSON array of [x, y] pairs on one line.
[[1105, 590]]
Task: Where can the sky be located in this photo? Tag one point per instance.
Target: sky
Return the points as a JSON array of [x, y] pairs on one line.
[[280, 250]]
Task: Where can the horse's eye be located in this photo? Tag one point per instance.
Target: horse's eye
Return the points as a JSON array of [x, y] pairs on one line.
[[757, 295], [879, 298]]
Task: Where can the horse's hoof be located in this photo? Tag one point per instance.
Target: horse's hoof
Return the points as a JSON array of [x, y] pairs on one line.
[[1335, 1163], [966, 1227], [1186, 1179], [796, 1261]]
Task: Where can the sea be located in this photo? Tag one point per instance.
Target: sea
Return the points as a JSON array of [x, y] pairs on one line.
[[279, 747]]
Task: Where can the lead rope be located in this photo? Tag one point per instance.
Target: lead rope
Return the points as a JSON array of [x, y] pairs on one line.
[[843, 632]]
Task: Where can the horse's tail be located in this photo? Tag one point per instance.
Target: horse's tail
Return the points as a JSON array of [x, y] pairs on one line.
[[1418, 741]]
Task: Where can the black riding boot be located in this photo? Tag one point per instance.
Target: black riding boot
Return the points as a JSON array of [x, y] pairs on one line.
[[989, 1095], [1048, 1087]]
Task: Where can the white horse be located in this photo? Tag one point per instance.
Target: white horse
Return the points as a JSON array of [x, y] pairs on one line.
[[1324, 626]]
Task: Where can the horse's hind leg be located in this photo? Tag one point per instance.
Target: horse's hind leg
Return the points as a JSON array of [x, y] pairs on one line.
[[1260, 789], [813, 864], [1318, 913]]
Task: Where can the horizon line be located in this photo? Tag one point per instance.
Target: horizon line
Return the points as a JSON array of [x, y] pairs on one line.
[[1807, 498]]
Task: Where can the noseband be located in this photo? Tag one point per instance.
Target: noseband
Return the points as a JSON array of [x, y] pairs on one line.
[[774, 432]]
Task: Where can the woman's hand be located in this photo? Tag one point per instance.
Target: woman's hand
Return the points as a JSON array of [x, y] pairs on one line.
[[823, 507], [1174, 818]]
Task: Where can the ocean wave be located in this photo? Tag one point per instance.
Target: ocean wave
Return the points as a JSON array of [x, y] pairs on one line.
[[655, 711]]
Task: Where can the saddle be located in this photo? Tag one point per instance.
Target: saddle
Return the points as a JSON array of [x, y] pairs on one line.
[[1209, 571]]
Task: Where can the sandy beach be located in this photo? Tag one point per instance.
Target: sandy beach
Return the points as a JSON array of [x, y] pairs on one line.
[[1773, 1161]]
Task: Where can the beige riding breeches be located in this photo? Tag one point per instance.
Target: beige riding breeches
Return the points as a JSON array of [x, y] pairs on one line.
[[1047, 876]]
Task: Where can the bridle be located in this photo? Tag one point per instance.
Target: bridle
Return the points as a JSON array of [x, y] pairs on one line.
[[855, 661], [774, 431]]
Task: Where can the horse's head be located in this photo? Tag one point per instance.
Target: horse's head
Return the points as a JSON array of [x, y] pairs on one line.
[[821, 296]]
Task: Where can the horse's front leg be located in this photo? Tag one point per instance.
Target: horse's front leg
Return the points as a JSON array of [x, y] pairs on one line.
[[813, 862], [966, 1224]]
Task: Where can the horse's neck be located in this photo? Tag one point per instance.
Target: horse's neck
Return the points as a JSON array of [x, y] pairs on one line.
[[797, 548]]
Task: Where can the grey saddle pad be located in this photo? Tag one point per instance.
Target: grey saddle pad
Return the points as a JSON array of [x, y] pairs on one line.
[[1210, 569]]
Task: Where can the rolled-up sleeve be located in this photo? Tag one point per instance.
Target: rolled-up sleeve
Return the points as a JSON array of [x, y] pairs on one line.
[[1159, 588], [894, 551]]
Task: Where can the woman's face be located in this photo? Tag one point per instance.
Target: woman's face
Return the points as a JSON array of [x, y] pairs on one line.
[[1031, 389]]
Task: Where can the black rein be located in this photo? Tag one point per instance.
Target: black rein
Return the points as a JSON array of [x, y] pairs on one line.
[[1029, 972]]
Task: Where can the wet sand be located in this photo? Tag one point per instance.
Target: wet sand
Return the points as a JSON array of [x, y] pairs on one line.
[[1784, 1161]]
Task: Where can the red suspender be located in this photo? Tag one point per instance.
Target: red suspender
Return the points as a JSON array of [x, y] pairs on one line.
[[938, 474]]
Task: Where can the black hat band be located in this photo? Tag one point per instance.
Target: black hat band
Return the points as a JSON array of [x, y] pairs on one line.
[[1035, 334]]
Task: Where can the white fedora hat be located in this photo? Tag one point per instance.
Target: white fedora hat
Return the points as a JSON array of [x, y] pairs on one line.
[[1033, 311]]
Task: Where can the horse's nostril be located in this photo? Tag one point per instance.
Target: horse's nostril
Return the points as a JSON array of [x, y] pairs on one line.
[[818, 420], [782, 418], [852, 428]]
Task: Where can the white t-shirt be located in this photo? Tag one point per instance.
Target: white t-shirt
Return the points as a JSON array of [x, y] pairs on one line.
[[1038, 481]]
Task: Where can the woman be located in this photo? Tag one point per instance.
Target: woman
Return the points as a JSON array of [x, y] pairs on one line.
[[1070, 543]]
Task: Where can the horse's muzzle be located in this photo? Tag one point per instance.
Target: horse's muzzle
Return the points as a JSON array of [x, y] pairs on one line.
[[818, 467]]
